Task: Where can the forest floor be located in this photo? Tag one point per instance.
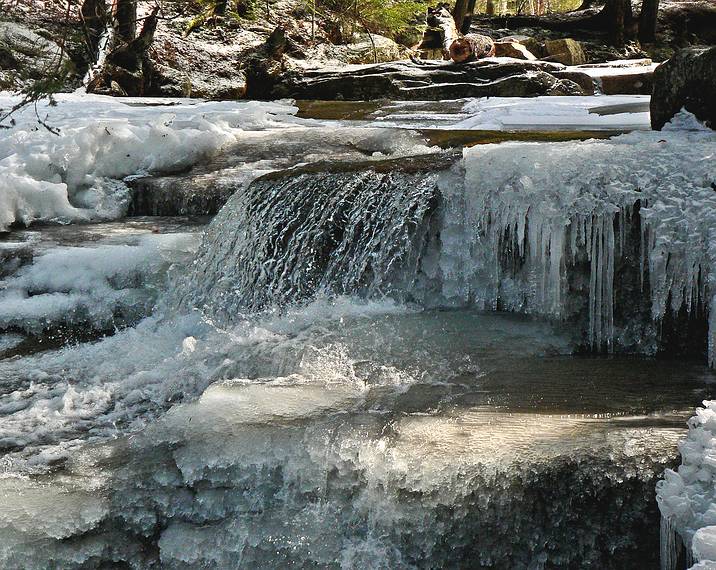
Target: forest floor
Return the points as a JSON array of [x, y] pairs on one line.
[[210, 61]]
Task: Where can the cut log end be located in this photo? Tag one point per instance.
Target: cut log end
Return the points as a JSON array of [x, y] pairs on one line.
[[471, 46]]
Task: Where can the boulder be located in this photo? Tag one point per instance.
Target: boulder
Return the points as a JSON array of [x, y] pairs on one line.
[[535, 47], [585, 81], [24, 55], [687, 80], [566, 51], [637, 83], [379, 50], [513, 49]]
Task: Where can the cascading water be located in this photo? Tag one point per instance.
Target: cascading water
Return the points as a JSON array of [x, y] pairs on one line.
[[297, 234]]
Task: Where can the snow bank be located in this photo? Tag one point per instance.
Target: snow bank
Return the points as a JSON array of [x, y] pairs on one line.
[[75, 176]]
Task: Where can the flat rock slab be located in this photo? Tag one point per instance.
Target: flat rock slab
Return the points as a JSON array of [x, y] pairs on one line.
[[489, 77], [629, 77]]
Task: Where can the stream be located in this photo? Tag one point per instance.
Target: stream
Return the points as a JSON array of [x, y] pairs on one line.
[[340, 335]]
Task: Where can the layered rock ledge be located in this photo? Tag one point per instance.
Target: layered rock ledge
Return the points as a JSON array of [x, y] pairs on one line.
[[409, 80]]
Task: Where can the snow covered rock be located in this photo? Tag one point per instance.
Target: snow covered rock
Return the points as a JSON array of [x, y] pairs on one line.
[[24, 53], [77, 176]]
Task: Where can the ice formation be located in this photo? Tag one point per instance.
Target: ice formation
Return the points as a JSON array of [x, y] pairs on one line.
[[687, 496], [539, 207], [554, 113], [97, 287], [75, 176]]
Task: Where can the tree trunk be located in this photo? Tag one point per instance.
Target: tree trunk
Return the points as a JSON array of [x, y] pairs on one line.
[[439, 34], [94, 16], [615, 19], [468, 19], [490, 8], [617, 14], [124, 13], [647, 21], [618, 17], [471, 46], [145, 38], [220, 7], [459, 13]]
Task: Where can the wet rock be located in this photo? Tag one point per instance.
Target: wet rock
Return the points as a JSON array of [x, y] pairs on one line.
[[687, 80], [566, 51], [513, 49], [196, 195], [585, 81], [417, 81]]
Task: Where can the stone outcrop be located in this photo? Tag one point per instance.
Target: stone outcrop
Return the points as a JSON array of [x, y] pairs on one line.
[[415, 81], [687, 80], [365, 49]]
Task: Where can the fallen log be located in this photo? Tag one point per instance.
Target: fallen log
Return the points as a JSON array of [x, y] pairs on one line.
[[471, 47]]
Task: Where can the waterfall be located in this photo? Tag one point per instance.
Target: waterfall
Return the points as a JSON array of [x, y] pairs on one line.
[[291, 236], [609, 235]]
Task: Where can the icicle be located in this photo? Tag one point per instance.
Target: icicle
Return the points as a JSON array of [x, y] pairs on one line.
[[608, 284], [601, 283], [669, 552], [593, 315], [712, 333]]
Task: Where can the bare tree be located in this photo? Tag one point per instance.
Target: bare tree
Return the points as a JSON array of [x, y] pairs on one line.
[[647, 21]]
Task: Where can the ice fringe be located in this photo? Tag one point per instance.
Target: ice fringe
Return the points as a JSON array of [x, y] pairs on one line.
[[528, 211]]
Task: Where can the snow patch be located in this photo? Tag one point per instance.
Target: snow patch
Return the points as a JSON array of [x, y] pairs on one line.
[[74, 176]]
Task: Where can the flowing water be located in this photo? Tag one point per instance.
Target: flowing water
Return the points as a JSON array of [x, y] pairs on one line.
[[363, 361]]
